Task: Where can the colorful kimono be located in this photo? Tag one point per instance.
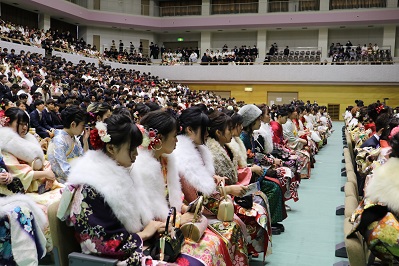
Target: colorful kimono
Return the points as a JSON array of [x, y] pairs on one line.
[[22, 157], [109, 207], [222, 243], [257, 218], [61, 150]]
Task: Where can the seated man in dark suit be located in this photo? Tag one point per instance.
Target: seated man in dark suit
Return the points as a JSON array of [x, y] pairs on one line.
[[48, 116], [38, 121], [380, 124]]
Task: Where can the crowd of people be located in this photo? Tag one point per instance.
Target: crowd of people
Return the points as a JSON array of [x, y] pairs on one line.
[[119, 123], [374, 137], [348, 52]]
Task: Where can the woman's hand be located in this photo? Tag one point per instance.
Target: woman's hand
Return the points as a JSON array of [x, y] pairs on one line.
[[49, 174], [219, 179], [86, 134], [186, 218], [5, 178], [152, 228], [257, 169], [236, 190]]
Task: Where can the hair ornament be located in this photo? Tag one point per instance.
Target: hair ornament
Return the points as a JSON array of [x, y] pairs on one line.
[[379, 108], [99, 136], [4, 121], [150, 138]]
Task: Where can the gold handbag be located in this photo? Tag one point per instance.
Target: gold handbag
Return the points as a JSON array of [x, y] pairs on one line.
[[194, 230], [226, 207]]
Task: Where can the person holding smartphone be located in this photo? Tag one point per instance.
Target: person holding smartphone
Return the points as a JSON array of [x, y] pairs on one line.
[[65, 145]]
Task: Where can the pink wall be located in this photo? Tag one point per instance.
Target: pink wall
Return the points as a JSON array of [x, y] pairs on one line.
[[329, 18]]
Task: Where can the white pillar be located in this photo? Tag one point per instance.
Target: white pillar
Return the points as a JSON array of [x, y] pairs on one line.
[[324, 5], [152, 7], [262, 6], [206, 7], [323, 42], [261, 43], [390, 38], [44, 21], [392, 3], [206, 37]]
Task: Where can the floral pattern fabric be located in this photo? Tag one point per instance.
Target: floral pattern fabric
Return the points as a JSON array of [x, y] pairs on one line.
[[99, 231]]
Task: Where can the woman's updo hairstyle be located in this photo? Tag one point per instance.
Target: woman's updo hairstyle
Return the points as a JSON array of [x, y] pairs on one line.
[[218, 121], [121, 129], [264, 108], [16, 114], [98, 110], [161, 121], [195, 118], [282, 111]]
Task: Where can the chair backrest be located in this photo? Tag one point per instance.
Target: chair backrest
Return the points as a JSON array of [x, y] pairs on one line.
[[62, 235]]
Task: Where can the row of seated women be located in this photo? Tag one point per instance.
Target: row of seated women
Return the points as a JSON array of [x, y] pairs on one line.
[[117, 194], [374, 131]]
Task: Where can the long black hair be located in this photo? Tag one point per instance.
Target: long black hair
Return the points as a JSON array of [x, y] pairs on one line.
[[161, 121], [218, 121], [16, 114], [195, 118]]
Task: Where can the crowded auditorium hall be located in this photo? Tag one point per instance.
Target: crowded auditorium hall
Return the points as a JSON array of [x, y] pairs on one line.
[[202, 132]]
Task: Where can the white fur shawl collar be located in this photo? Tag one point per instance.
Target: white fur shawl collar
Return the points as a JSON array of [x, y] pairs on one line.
[[384, 185], [223, 165], [149, 171], [195, 164], [10, 202], [237, 147], [267, 133], [26, 149], [121, 190]]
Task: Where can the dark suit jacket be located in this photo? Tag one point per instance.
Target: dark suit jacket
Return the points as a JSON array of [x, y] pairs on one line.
[[3, 90], [56, 120], [49, 120], [11, 97], [371, 142], [39, 124]]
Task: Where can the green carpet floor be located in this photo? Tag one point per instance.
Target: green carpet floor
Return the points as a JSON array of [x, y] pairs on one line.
[[312, 229]]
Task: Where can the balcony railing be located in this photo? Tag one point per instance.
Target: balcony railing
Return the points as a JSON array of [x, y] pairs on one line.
[[350, 4], [294, 6], [234, 8], [194, 10]]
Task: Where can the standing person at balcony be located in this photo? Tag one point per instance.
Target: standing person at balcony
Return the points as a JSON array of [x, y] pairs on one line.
[[286, 50], [121, 46], [131, 48]]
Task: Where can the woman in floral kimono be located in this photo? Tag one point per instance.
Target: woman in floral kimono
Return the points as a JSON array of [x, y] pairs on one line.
[[110, 210], [24, 160], [198, 177], [64, 147], [161, 184], [294, 142], [275, 180], [258, 217]]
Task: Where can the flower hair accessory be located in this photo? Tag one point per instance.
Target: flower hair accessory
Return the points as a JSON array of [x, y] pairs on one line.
[[379, 109], [99, 136], [102, 132], [150, 138], [4, 121]]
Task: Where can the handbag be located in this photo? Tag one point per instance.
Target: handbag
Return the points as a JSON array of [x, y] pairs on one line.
[[168, 247], [194, 230], [226, 207]]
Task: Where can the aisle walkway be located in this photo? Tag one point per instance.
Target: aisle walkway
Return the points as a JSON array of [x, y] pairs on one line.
[[312, 228]]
